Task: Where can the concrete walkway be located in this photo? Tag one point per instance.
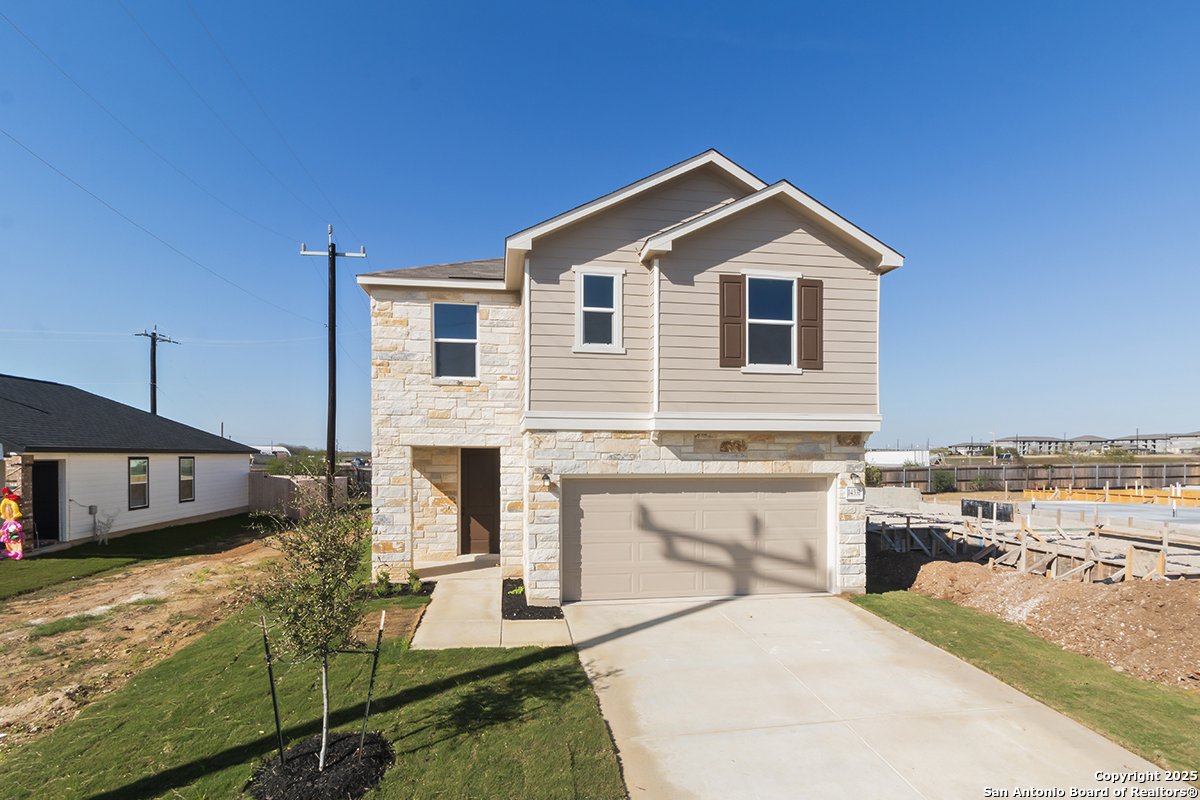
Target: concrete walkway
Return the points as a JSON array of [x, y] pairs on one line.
[[465, 610], [813, 697]]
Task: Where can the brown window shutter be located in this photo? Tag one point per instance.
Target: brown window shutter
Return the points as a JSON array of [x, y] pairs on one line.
[[810, 336], [733, 321]]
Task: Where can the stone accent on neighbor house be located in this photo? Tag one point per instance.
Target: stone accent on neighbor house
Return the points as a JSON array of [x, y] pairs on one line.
[[419, 422], [567, 453]]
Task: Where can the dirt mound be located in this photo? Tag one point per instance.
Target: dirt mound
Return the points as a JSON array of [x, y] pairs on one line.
[[1147, 628]]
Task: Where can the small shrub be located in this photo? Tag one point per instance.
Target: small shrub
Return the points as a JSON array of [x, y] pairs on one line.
[[383, 583], [414, 581], [943, 481], [874, 476], [981, 483]]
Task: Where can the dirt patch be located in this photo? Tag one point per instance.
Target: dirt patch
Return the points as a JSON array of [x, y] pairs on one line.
[[1146, 628], [142, 615], [400, 623]]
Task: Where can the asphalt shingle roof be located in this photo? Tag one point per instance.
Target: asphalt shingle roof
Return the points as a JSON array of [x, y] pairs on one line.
[[40, 416], [488, 269]]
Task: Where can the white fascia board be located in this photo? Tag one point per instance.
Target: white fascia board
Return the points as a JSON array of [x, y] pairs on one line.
[[520, 243], [887, 258], [684, 421], [432, 283]]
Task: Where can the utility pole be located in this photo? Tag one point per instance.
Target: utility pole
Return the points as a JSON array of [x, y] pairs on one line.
[[330, 425], [155, 337]]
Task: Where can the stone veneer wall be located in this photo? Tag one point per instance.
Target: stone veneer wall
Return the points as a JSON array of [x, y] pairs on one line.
[[560, 453], [411, 410], [435, 503]]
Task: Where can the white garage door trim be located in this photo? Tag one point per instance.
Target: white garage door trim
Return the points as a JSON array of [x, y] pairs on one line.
[[825, 485]]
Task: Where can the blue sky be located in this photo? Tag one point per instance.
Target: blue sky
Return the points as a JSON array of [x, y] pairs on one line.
[[1036, 163]]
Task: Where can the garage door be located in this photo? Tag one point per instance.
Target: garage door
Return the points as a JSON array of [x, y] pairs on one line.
[[693, 537]]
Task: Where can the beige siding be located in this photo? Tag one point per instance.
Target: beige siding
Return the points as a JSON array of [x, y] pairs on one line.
[[767, 237], [561, 380]]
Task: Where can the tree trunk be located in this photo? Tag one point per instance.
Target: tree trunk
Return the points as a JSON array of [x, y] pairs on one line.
[[324, 708]]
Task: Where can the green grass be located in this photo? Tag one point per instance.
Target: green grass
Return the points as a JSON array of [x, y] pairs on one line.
[[469, 723], [75, 623], [1157, 722], [39, 572], [147, 601]]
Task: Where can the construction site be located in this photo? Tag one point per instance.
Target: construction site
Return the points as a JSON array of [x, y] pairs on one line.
[[1112, 574]]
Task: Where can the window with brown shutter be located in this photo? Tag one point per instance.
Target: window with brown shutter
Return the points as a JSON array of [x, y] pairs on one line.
[[732, 312], [810, 345]]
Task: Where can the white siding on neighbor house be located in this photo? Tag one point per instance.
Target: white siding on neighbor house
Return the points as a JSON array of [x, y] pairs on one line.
[[766, 237], [222, 484], [561, 380]]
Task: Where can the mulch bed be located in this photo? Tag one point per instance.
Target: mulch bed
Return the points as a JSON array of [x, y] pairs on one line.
[[513, 606], [344, 775]]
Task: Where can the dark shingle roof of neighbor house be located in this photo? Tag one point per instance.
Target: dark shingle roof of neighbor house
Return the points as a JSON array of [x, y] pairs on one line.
[[487, 269], [45, 417]]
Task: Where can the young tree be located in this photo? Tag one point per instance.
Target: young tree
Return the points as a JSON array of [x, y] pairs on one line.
[[310, 592]]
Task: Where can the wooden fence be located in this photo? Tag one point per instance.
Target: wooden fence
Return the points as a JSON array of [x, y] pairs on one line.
[[1063, 476]]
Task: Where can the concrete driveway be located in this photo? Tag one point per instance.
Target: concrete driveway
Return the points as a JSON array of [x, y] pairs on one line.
[[813, 697]]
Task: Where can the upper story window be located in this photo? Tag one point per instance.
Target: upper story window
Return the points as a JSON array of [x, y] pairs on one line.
[[771, 323], [598, 317], [187, 478], [455, 340], [139, 483]]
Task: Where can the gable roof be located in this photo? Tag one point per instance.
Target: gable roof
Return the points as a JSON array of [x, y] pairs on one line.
[[520, 243], [886, 259], [40, 416], [459, 274]]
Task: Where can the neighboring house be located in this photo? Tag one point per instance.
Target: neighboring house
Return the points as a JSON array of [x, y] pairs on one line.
[[969, 448], [665, 392], [68, 451]]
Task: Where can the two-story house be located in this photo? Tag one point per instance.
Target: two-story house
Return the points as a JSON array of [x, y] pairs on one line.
[[664, 392]]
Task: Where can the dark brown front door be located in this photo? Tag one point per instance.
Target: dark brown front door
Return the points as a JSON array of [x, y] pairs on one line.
[[480, 520]]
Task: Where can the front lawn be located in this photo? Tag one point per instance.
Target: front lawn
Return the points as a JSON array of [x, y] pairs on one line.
[[37, 572], [1157, 722], [470, 723]]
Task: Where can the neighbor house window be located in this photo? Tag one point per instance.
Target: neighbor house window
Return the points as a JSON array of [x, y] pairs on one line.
[[139, 483], [187, 478], [455, 340], [598, 320]]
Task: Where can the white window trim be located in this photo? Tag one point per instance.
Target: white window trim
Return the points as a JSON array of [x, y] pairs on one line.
[[618, 276], [433, 342], [788, 369]]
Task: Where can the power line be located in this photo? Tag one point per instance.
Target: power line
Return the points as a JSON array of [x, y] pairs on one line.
[[170, 247], [215, 114], [138, 138], [279, 133]]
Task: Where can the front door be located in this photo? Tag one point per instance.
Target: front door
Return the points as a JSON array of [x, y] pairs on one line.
[[480, 509], [45, 499]]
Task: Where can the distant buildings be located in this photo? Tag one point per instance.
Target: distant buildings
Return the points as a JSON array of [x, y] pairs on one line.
[[1145, 443]]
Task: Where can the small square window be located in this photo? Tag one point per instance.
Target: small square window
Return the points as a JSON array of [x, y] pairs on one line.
[[187, 479], [455, 340], [139, 483]]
